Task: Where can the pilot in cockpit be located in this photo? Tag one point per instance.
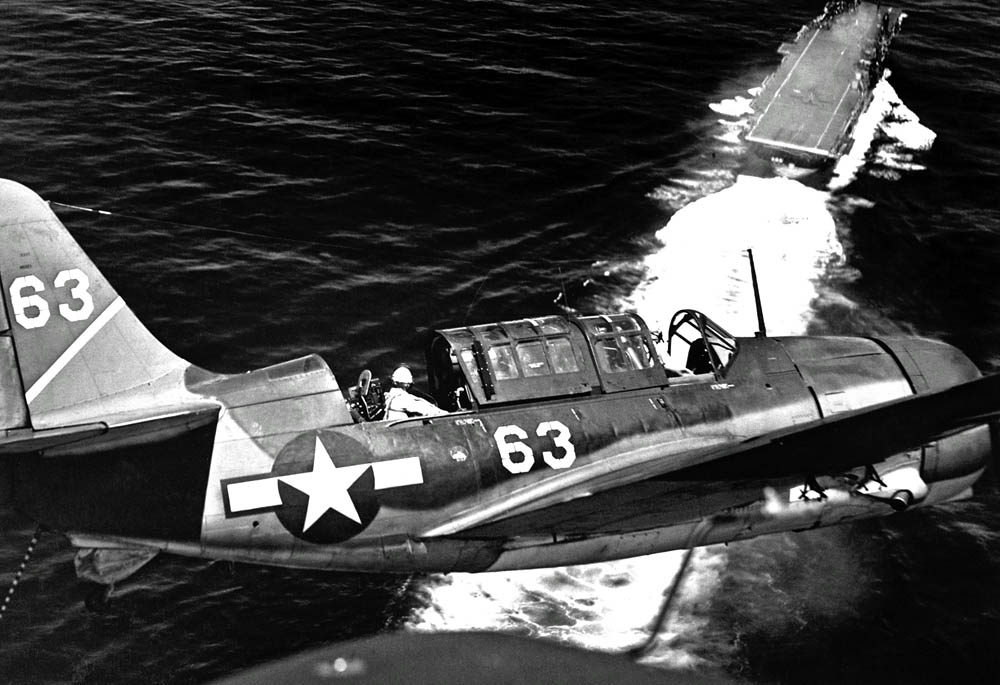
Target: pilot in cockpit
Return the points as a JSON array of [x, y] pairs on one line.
[[400, 403], [702, 358]]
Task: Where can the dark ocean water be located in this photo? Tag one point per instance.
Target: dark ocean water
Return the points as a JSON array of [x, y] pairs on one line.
[[384, 171]]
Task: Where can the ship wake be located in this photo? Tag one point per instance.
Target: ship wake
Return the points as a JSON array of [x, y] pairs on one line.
[[888, 140]]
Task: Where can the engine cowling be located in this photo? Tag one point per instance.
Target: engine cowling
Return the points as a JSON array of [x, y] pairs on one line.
[[932, 365]]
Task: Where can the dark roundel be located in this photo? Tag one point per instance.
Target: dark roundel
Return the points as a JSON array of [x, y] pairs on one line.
[[297, 457]]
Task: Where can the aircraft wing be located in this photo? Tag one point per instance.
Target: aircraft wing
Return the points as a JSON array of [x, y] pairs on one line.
[[642, 477]]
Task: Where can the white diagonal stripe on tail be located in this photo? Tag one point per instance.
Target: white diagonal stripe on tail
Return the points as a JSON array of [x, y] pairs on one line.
[[74, 349]]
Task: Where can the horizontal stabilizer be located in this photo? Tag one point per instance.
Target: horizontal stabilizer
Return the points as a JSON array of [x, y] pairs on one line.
[[127, 429], [108, 566]]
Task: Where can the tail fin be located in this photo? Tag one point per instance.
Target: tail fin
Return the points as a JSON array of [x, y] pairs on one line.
[[79, 350]]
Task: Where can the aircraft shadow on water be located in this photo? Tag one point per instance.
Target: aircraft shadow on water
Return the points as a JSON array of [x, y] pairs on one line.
[[567, 441]]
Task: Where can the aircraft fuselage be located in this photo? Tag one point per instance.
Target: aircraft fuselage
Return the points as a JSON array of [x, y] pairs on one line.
[[511, 486]]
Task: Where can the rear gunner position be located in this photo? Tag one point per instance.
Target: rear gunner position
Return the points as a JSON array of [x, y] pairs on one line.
[[566, 440], [400, 403]]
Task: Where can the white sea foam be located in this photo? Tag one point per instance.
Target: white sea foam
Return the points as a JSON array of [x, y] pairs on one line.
[[734, 107], [703, 265], [608, 606], [731, 135], [715, 168], [899, 134]]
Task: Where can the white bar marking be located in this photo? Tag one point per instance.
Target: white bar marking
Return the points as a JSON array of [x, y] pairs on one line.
[[397, 473], [254, 494], [263, 493], [74, 349]]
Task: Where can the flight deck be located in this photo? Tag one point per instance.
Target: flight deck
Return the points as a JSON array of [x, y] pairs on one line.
[[807, 109]]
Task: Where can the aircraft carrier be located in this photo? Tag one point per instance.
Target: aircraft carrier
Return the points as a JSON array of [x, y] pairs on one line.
[[806, 110]]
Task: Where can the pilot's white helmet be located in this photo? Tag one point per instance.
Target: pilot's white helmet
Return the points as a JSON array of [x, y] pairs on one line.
[[402, 375]]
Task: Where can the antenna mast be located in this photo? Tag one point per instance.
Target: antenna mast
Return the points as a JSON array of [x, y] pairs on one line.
[[761, 328]]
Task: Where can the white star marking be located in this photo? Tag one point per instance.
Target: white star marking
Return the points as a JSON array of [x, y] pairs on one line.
[[327, 487]]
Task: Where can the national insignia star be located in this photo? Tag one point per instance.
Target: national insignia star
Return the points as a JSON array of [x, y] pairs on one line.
[[327, 487]]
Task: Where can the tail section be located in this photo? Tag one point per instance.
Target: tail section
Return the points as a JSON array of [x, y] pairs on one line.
[[71, 350]]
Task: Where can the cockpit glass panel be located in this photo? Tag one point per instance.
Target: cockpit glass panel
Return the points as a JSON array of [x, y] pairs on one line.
[[469, 362], [493, 334], [626, 324], [521, 329], [552, 326], [637, 351], [561, 353], [532, 356], [609, 356], [502, 360], [599, 326]]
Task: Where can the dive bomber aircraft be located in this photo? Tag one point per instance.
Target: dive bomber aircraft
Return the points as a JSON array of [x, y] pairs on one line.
[[568, 440]]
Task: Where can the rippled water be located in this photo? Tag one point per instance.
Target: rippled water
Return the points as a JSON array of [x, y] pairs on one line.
[[387, 171]]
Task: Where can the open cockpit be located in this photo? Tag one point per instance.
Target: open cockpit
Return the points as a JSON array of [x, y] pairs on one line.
[[706, 346]]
